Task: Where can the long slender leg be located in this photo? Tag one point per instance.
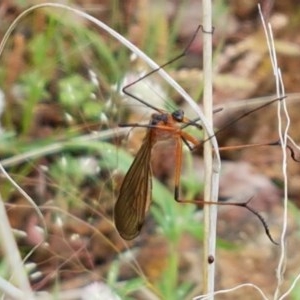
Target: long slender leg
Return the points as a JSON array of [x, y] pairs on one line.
[[178, 164]]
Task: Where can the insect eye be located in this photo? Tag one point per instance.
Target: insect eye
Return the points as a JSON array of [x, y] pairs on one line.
[[178, 115]]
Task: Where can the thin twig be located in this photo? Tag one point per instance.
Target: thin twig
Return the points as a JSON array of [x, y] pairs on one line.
[[240, 286], [283, 135], [211, 170]]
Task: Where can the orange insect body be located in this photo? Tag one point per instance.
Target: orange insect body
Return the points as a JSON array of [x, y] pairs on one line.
[[135, 192]]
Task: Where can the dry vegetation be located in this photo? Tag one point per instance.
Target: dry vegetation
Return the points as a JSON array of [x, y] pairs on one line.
[[60, 79]]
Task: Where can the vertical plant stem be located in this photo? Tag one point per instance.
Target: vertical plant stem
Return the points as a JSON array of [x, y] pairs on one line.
[[283, 127], [211, 175]]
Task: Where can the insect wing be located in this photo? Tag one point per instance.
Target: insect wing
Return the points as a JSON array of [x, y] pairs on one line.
[[135, 195]]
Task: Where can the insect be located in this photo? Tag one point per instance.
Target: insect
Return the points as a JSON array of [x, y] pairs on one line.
[[135, 193]]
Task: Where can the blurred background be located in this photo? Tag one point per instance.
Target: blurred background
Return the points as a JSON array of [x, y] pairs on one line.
[[61, 101]]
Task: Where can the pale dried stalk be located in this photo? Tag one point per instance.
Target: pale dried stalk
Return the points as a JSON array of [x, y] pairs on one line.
[[282, 113], [211, 167]]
